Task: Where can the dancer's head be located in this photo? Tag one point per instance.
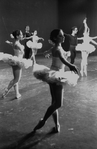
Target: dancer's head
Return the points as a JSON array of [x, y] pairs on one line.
[[74, 29], [27, 28], [17, 34], [57, 36], [35, 32]]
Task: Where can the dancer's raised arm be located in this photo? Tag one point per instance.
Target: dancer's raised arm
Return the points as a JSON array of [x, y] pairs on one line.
[[86, 26]]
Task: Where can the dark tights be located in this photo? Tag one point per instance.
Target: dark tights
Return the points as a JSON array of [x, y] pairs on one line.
[[57, 101]]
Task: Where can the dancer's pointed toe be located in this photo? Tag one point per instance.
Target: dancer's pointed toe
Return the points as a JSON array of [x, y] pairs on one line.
[[39, 125], [5, 93]]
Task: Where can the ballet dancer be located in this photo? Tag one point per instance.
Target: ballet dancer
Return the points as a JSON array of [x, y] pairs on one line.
[[55, 77], [86, 47], [48, 52], [27, 37], [36, 43], [16, 61], [72, 43]]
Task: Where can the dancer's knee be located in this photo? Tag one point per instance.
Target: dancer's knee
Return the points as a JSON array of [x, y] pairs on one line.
[[15, 81], [57, 105]]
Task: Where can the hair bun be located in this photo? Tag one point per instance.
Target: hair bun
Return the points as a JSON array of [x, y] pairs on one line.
[[11, 35]]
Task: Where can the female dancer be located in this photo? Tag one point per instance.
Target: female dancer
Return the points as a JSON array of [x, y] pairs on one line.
[[35, 44], [55, 77], [86, 47], [16, 61]]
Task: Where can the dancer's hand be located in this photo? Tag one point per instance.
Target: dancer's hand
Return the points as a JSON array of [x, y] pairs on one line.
[[74, 68], [7, 41], [42, 39], [47, 56], [50, 42], [84, 21], [68, 54]]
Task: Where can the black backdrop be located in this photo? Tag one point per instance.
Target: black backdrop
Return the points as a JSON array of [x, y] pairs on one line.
[[40, 15], [43, 16]]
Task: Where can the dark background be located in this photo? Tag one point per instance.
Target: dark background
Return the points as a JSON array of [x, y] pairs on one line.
[[43, 16]]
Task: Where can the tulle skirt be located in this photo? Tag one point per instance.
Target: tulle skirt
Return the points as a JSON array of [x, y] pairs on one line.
[[34, 45], [85, 47], [48, 75], [14, 60]]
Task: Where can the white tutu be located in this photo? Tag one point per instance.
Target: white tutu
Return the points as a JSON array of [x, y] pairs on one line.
[[85, 47], [14, 60], [45, 74], [32, 45]]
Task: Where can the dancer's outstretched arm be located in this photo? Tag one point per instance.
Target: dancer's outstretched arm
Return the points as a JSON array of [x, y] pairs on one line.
[[94, 37], [40, 38], [9, 42], [80, 38], [93, 42]]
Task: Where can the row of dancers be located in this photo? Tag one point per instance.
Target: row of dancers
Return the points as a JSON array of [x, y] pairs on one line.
[[87, 46], [55, 76], [22, 56]]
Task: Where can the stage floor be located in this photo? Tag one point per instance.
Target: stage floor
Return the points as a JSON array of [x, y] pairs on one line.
[[78, 116]]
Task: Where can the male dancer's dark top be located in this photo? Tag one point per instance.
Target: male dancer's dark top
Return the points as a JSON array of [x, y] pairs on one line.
[[70, 45], [28, 51]]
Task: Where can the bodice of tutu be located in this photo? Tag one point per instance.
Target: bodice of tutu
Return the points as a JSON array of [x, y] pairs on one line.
[[86, 45], [18, 50], [35, 39], [57, 64], [86, 40]]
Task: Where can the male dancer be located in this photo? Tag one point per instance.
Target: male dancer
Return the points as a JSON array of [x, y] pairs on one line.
[[27, 35], [72, 38]]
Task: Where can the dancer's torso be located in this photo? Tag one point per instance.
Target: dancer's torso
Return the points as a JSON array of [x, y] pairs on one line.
[[18, 50], [57, 64], [86, 40], [73, 40]]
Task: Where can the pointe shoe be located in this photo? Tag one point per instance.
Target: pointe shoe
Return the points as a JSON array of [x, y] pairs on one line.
[[81, 73], [18, 96], [39, 125], [5, 93], [85, 74], [57, 128]]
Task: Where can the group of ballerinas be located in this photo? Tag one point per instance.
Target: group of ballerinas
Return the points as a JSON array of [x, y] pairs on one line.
[[55, 76], [22, 56]]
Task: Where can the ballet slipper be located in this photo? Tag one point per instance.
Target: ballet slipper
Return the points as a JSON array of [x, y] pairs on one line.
[[39, 125], [18, 96], [5, 93], [56, 129], [81, 73], [85, 73]]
